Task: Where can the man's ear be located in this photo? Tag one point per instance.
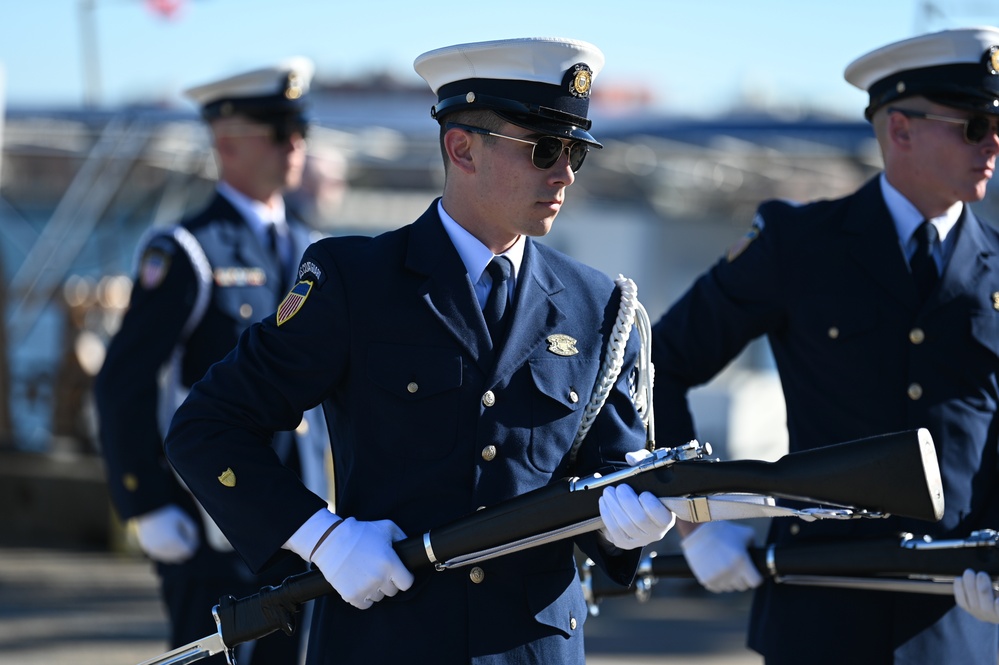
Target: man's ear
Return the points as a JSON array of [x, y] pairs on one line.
[[898, 129], [458, 144]]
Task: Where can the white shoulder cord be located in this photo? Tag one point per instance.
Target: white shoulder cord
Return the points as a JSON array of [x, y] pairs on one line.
[[630, 314]]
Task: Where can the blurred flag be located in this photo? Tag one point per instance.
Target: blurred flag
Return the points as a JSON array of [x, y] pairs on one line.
[[165, 8]]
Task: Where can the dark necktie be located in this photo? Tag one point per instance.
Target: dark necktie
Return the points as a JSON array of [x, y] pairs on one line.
[[924, 268], [276, 247], [495, 311]]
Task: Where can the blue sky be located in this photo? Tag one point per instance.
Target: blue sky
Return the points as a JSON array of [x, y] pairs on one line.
[[698, 57]]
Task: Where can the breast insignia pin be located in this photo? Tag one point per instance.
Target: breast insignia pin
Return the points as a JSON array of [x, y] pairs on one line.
[[228, 478], [562, 345]]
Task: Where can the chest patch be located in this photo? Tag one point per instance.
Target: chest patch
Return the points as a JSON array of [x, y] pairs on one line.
[[240, 276]]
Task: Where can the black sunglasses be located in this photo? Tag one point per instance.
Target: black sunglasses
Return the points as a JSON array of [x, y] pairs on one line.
[[547, 149], [976, 127]]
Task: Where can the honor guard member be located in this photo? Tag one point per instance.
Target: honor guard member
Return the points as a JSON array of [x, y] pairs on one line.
[[882, 311], [432, 414], [199, 284]]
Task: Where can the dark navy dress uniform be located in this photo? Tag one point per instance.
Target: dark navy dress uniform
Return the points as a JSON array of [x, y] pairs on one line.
[[244, 283], [428, 424], [858, 355]]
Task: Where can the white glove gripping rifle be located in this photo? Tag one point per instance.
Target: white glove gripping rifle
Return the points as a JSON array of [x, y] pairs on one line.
[[887, 474]]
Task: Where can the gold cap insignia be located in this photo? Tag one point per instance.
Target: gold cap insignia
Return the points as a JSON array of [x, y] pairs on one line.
[[562, 345], [991, 60], [581, 80], [294, 89], [228, 478]]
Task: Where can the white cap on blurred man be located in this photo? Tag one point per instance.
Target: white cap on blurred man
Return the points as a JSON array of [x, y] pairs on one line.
[[957, 68], [276, 95]]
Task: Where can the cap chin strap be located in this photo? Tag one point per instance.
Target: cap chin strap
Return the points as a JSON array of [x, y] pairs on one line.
[[473, 101]]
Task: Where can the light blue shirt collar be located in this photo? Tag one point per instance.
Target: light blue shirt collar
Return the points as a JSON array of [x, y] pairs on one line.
[[907, 219], [477, 256], [256, 213]]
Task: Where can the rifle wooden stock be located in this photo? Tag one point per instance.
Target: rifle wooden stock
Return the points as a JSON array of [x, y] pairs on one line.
[[893, 473]]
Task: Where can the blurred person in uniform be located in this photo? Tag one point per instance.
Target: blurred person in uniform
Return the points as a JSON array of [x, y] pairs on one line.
[[882, 312], [324, 186], [200, 284], [432, 414]]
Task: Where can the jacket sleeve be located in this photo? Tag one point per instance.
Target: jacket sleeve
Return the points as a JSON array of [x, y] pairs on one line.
[[219, 439], [127, 389], [736, 301]]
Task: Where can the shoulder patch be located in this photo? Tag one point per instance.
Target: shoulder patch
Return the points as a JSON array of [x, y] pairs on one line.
[[154, 266], [293, 301], [310, 268], [740, 245]]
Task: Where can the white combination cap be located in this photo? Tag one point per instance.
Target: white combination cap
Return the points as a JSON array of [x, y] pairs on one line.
[[280, 89], [540, 83], [957, 68]]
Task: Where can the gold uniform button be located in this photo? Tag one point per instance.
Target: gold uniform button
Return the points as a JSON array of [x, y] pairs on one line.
[[489, 453], [489, 398], [412, 387], [795, 529], [573, 397], [245, 310], [915, 391], [572, 623], [477, 575], [833, 332], [916, 335], [130, 482]]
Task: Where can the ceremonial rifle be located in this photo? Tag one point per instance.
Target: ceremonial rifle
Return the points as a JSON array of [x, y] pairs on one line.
[[868, 478], [903, 563]]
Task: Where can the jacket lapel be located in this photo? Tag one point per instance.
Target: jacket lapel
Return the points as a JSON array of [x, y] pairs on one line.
[[535, 315], [447, 288], [968, 262], [874, 243]]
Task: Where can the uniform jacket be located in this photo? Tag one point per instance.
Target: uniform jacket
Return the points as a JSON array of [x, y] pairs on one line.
[[391, 340], [858, 355], [246, 286]]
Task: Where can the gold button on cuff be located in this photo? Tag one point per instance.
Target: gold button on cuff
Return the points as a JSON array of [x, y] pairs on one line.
[[572, 623], [915, 391], [245, 310], [412, 386], [489, 453], [833, 332], [916, 335], [489, 398], [477, 575]]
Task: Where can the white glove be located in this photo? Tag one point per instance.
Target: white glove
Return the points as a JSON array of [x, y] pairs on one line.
[[718, 555], [974, 594], [357, 559], [632, 521], [167, 534]]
